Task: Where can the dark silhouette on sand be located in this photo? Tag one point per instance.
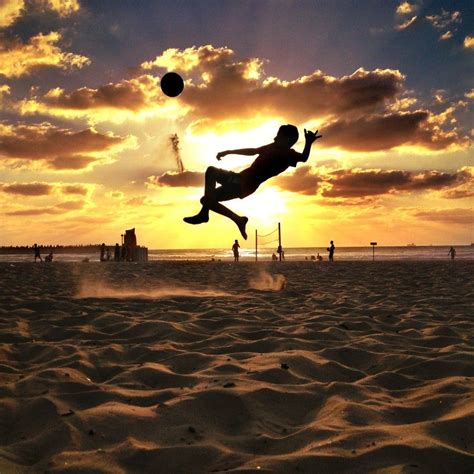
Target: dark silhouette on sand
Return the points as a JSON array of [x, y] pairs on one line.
[[273, 159], [235, 249], [452, 253], [37, 251], [331, 251]]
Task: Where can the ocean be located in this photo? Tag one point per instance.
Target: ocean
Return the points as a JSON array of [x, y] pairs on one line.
[[465, 252]]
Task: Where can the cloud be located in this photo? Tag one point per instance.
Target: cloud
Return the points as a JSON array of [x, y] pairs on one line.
[[175, 179], [444, 20], [137, 98], [57, 148], [27, 189], [75, 189], [458, 216], [384, 132], [469, 42], [12, 10], [406, 8], [406, 24], [350, 184], [223, 93], [359, 186], [221, 88], [18, 59], [303, 181], [446, 36]]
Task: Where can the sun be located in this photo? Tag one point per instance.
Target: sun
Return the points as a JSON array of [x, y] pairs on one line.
[[264, 208]]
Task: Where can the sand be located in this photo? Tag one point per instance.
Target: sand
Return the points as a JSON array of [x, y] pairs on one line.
[[190, 367]]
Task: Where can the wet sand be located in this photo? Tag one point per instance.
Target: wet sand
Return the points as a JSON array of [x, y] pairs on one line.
[[177, 367]]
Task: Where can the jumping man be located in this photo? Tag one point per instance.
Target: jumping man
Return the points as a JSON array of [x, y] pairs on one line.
[[273, 159]]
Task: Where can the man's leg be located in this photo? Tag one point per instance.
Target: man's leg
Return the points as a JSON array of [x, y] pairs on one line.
[[223, 194], [210, 181]]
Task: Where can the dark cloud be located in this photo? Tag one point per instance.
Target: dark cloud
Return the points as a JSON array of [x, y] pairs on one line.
[[447, 216], [27, 189], [350, 184], [134, 95], [383, 132], [360, 184], [58, 148], [303, 181], [35, 212], [173, 179], [74, 189]]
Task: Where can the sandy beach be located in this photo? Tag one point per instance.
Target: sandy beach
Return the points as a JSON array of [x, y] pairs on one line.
[[199, 367]]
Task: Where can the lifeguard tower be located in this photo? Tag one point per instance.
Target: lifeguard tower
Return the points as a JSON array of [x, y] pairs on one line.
[[133, 252]]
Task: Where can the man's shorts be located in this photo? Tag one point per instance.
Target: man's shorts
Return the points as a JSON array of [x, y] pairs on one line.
[[230, 180]]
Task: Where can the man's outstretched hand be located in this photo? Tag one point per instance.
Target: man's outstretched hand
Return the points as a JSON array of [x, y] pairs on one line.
[[310, 136], [221, 154]]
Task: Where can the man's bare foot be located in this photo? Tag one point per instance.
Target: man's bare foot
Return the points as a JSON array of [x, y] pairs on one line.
[[197, 219], [241, 223]]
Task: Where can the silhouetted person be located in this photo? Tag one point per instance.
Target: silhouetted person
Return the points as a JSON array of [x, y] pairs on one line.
[[452, 252], [123, 253], [235, 249], [331, 251], [274, 257], [273, 159], [37, 251], [117, 252], [102, 252], [49, 258], [319, 258]]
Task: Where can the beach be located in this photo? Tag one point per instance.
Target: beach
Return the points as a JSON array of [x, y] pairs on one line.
[[199, 367]]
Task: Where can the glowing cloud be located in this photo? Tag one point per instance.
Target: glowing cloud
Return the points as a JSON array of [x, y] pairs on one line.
[[18, 59]]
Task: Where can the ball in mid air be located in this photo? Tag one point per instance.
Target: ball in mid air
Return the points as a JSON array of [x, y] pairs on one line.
[[172, 84]]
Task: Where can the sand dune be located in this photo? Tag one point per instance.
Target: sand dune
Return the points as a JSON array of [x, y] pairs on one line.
[[176, 367]]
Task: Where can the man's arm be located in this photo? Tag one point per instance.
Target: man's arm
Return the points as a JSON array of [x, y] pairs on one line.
[[310, 138], [241, 151]]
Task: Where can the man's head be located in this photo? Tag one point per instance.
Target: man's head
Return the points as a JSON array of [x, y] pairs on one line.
[[287, 136]]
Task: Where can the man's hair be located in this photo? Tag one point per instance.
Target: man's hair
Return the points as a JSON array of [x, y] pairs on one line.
[[289, 131]]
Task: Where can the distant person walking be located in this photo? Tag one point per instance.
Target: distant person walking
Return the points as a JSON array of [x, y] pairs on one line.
[[117, 253], [37, 251], [235, 249], [452, 252], [331, 251], [102, 252]]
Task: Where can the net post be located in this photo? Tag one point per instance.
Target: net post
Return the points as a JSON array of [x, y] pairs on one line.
[[256, 244], [279, 240]]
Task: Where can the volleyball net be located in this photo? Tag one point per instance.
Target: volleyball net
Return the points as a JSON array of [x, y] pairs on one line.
[[269, 240]]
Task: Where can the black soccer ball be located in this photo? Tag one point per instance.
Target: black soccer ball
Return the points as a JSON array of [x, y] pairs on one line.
[[172, 84]]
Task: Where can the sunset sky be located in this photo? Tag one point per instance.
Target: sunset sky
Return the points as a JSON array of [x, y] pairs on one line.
[[85, 130]]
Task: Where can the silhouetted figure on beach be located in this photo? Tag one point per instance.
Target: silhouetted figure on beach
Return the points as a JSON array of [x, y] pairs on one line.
[[117, 253], [37, 251], [235, 249], [452, 253], [102, 252], [49, 258], [274, 257], [123, 253], [319, 258], [331, 251], [273, 159]]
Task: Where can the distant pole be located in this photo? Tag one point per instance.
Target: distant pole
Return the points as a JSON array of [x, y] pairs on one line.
[[373, 250], [279, 240], [256, 244], [121, 236]]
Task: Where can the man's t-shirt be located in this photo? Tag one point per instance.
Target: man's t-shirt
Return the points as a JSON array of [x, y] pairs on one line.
[[272, 160]]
